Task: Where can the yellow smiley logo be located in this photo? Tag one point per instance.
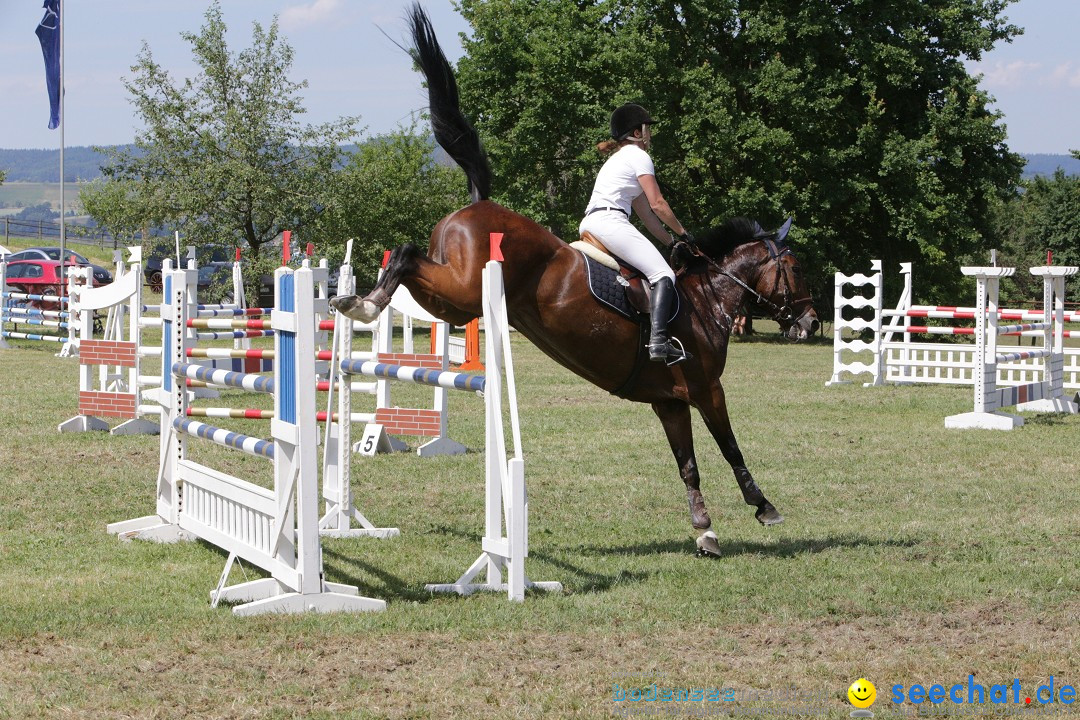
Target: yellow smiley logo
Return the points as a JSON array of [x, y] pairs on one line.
[[862, 693]]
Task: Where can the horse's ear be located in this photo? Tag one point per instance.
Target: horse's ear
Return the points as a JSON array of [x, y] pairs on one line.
[[783, 231]]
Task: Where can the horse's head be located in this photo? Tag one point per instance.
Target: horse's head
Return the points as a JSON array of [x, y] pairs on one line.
[[763, 264]]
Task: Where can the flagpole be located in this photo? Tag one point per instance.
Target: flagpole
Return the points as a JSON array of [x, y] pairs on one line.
[[63, 224]]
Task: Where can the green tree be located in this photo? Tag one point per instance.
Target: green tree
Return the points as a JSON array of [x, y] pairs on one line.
[[390, 192], [223, 157], [116, 207], [857, 117], [1043, 216]]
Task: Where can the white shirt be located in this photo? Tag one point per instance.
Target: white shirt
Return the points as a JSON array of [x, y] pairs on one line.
[[617, 182]]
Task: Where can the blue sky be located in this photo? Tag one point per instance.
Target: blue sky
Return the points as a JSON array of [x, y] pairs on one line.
[[353, 69]]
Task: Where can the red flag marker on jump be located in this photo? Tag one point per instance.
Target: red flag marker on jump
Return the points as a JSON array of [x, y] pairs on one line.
[[310, 249], [385, 258], [286, 249], [496, 246]]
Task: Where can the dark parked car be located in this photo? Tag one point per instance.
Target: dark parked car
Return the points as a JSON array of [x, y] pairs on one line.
[[102, 276], [218, 272], [154, 259]]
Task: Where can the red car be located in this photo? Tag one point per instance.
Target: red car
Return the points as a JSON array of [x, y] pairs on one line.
[[37, 277]]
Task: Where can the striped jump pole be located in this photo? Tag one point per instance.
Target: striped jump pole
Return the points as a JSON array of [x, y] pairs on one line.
[[226, 438], [948, 312], [261, 414], [228, 324], [419, 376]]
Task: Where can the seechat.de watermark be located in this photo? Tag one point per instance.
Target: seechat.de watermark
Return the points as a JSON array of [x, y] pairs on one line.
[[969, 698], [1050, 693]]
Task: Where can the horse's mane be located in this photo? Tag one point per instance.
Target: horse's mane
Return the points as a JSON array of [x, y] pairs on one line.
[[718, 242]]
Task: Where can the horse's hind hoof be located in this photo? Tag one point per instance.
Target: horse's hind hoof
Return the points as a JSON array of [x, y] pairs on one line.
[[355, 308], [708, 545], [767, 515]]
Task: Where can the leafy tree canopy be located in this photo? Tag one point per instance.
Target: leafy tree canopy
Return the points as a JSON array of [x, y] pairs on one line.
[[857, 117], [1043, 216], [224, 156], [390, 192]]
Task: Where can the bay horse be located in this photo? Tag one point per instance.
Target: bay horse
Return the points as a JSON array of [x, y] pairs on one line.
[[549, 301]]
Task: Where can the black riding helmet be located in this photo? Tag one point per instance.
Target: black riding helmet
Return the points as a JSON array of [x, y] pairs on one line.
[[628, 118]]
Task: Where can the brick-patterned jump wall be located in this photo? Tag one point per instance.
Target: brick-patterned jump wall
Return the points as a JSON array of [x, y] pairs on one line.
[[420, 360], [107, 352], [107, 404], [406, 421]]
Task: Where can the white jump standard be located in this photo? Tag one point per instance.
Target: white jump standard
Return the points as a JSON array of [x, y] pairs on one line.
[[1044, 396], [504, 545], [506, 499]]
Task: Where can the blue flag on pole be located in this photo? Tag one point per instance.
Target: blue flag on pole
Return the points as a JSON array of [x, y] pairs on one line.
[[48, 32]]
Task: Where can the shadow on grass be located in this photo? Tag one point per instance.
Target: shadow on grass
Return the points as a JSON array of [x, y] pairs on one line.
[[579, 579], [1045, 419], [776, 338], [785, 548], [391, 586]]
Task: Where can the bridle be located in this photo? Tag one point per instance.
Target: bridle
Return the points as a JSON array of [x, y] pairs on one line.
[[783, 314]]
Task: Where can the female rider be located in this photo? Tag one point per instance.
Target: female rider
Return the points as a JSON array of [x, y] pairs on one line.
[[628, 180]]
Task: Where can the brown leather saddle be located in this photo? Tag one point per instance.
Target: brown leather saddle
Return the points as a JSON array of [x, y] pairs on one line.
[[615, 283]]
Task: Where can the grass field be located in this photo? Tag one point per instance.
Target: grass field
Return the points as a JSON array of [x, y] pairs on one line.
[[25, 194], [910, 555]]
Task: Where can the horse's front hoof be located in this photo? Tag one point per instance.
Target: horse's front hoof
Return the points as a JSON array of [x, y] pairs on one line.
[[708, 545], [767, 515], [355, 308]]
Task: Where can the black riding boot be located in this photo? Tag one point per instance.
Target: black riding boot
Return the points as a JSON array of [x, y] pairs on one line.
[[660, 347]]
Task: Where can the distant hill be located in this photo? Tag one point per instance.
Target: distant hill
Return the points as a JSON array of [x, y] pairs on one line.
[[83, 163], [43, 166], [1048, 164]]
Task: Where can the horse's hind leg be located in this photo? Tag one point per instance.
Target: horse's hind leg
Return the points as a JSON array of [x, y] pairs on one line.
[[367, 308], [675, 417], [408, 266], [716, 420]]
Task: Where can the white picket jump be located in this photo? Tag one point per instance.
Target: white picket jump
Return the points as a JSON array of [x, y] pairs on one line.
[[276, 530], [893, 355]]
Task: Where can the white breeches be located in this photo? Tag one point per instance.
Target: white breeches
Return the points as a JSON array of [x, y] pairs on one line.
[[618, 235]]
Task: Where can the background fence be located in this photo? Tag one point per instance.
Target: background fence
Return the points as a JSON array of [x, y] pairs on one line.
[[46, 232]]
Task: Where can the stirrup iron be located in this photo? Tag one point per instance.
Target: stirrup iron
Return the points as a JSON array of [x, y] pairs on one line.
[[676, 352]]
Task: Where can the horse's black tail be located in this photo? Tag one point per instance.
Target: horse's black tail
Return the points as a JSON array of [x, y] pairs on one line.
[[453, 132]]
